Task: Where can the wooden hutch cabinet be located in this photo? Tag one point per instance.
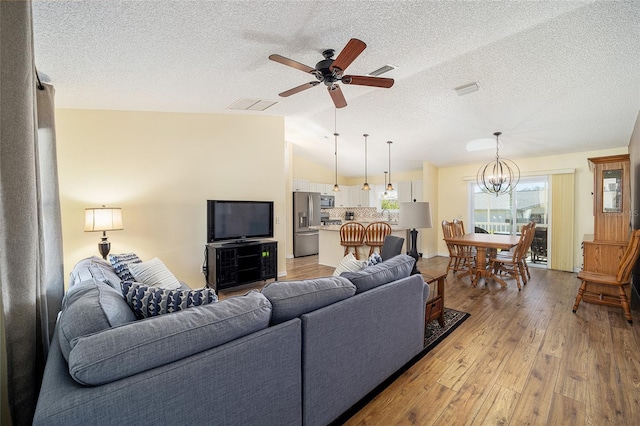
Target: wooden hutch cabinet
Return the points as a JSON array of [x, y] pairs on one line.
[[603, 250]]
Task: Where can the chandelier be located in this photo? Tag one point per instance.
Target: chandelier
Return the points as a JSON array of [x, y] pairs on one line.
[[498, 176]]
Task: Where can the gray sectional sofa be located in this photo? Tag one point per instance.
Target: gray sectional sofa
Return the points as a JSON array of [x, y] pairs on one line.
[[296, 353]]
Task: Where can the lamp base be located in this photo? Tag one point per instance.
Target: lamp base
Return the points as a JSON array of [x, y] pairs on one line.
[[104, 247], [413, 252]]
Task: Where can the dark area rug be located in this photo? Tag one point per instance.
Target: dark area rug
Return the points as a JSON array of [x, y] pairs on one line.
[[433, 334]]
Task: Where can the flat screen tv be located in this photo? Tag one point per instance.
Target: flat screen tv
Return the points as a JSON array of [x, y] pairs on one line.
[[229, 220]]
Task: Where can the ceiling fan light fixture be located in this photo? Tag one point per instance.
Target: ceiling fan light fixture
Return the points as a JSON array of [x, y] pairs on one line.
[[467, 88], [383, 69]]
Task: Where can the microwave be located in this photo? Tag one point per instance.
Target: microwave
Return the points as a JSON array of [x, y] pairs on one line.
[[327, 201]]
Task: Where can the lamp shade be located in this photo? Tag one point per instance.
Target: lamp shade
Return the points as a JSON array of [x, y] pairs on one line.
[[103, 219], [415, 215]]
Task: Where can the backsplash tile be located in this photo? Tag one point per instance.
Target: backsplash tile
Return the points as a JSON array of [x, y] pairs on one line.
[[360, 213]]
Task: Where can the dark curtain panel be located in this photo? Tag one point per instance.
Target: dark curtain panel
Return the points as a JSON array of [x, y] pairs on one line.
[[31, 281]]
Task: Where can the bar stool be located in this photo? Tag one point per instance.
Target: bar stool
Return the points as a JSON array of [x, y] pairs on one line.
[[374, 235], [352, 235]]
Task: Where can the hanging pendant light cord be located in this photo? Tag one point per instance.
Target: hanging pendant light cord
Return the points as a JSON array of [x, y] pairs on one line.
[[335, 135]]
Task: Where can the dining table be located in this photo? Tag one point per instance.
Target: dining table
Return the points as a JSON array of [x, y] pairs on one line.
[[485, 244]]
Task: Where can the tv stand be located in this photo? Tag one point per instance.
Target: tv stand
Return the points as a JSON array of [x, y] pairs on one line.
[[236, 263]]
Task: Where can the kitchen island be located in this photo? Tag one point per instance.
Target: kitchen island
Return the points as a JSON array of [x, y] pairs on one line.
[[330, 252]]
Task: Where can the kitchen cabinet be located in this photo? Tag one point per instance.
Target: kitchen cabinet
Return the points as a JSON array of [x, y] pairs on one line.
[[301, 185], [409, 191]]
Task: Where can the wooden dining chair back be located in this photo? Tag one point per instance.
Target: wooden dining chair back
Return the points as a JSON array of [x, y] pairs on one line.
[[374, 235], [460, 257], [458, 227], [513, 263], [594, 285], [352, 235]]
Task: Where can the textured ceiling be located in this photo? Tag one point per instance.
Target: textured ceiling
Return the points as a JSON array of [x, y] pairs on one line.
[[554, 76]]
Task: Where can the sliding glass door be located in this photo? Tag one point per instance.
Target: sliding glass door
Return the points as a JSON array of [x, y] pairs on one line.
[[507, 213]]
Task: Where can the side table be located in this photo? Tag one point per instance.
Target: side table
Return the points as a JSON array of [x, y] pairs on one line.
[[435, 306]]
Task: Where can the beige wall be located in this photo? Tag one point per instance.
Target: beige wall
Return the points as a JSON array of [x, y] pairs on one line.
[[453, 191], [161, 168]]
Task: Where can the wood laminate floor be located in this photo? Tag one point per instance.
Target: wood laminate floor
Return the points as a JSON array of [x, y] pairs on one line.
[[521, 358]]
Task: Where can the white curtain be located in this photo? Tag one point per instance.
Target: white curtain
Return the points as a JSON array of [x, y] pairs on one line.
[[31, 280]]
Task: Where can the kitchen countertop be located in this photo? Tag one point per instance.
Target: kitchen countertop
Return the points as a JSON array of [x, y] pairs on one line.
[[330, 252]]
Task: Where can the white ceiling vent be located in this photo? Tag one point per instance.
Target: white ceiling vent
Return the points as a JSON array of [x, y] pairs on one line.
[[467, 88], [246, 104], [382, 70]]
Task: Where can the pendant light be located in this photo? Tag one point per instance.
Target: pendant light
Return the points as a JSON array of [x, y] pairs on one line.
[[389, 185], [336, 188], [498, 176], [385, 185], [365, 186]]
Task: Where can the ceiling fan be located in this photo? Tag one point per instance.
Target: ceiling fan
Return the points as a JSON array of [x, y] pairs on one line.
[[330, 71]]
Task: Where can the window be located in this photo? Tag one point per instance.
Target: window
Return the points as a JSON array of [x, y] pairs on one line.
[[388, 200], [507, 213]]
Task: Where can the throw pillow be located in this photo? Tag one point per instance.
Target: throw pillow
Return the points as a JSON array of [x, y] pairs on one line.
[[154, 273], [374, 259], [349, 263], [290, 299], [121, 263], [152, 301], [92, 268]]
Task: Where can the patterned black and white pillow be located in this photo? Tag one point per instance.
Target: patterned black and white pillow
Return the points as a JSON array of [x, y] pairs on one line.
[[120, 263], [374, 259], [149, 301]]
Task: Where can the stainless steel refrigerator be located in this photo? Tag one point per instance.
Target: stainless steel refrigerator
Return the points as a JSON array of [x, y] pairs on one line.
[[306, 214]]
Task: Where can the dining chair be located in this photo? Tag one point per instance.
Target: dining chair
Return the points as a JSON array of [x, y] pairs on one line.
[[593, 282], [352, 235], [461, 258], [374, 235], [458, 227], [513, 263]]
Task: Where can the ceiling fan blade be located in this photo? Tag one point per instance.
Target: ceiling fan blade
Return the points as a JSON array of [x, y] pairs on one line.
[[300, 88], [362, 80], [292, 63], [350, 52], [337, 96]]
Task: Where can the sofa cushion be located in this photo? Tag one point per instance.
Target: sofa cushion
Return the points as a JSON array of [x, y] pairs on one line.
[[94, 268], [154, 273], [139, 346], [147, 301], [349, 263], [120, 263], [88, 307], [290, 299], [373, 276]]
